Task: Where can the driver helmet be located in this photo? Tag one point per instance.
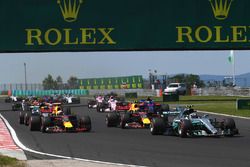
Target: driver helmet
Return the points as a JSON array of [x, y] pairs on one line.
[[193, 115]]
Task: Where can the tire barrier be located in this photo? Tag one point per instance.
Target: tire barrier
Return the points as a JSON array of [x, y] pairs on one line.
[[78, 92]]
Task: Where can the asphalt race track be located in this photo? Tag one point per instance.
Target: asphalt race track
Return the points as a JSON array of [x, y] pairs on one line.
[[135, 146]]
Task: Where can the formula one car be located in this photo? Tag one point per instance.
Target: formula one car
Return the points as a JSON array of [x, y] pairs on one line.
[[64, 123], [107, 104], [189, 124], [69, 99], [35, 109], [103, 107], [16, 106], [92, 103], [52, 118], [150, 106], [133, 118], [13, 99]]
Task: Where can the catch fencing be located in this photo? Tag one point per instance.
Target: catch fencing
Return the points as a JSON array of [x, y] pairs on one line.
[[39, 90], [224, 91], [21, 86]]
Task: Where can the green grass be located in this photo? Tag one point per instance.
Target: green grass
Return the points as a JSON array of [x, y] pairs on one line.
[[10, 162], [217, 104], [224, 108]]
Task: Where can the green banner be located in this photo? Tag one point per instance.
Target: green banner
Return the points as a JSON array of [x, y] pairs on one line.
[[243, 104], [95, 25], [128, 82]]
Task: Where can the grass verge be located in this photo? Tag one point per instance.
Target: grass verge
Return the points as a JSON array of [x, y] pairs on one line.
[[6, 161]]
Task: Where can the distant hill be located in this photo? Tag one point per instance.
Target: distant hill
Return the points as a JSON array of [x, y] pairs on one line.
[[242, 80]]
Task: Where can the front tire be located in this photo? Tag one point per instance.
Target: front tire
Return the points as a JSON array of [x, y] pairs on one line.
[[124, 120], [45, 122], [157, 126], [230, 127], [184, 127]]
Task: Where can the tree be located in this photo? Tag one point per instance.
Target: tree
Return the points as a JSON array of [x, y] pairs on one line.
[[59, 82], [188, 79], [73, 82], [49, 83]]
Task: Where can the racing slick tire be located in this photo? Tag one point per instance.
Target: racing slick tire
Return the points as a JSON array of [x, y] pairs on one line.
[[230, 126], [26, 118], [76, 101], [112, 119], [45, 122], [35, 123], [165, 107], [184, 127], [67, 111], [21, 117], [7, 100], [85, 122], [99, 108], [125, 119], [157, 126], [89, 105], [14, 108], [229, 123]]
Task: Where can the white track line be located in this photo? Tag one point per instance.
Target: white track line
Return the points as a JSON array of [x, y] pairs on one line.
[[226, 115], [23, 147]]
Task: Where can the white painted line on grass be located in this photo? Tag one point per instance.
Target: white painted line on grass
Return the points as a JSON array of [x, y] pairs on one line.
[[226, 115], [23, 147]]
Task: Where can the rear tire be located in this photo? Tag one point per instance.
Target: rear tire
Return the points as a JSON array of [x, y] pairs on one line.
[[35, 123], [21, 117], [98, 108], [112, 119], [67, 111], [14, 107], [7, 100], [165, 107], [26, 118]]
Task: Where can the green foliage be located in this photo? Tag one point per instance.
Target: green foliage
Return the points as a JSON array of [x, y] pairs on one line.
[[13, 162], [53, 84], [59, 82], [73, 82], [189, 79], [49, 83]]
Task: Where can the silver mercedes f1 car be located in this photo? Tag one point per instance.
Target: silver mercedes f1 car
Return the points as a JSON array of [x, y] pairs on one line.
[[188, 124]]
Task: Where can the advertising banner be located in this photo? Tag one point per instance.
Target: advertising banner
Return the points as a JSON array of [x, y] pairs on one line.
[[123, 25]]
